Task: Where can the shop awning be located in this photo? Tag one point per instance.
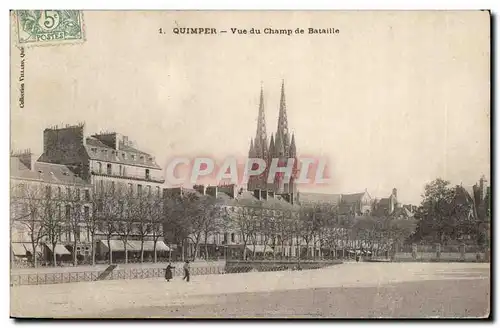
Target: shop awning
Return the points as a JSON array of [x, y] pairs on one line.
[[59, 249], [117, 245], [148, 246], [18, 249]]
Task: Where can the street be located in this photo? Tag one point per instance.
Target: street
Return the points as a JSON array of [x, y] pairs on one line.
[[352, 290]]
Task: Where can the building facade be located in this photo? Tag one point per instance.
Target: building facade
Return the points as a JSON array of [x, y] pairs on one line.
[[97, 164]]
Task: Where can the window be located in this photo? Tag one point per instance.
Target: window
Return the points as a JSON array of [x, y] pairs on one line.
[[124, 156], [124, 171], [142, 158], [130, 189], [68, 192], [108, 169], [139, 190], [77, 194], [86, 212], [120, 170], [87, 194], [94, 150], [48, 191], [225, 237], [158, 191], [232, 237], [59, 192], [67, 212], [99, 167], [149, 190], [147, 174]]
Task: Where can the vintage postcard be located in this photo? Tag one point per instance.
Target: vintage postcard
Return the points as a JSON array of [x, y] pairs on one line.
[[258, 164]]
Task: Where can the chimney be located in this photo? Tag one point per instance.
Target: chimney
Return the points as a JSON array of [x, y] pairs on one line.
[[212, 191], [263, 194], [200, 189], [256, 193]]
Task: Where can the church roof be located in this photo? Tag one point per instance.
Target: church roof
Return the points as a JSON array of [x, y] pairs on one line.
[[352, 198], [318, 198]]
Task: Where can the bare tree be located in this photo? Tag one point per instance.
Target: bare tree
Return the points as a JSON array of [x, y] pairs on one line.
[[92, 219], [212, 222], [52, 223], [128, 212], [245, 224], [76, 217], [143, 208], [29, 199], [157, 221], [110, 209]]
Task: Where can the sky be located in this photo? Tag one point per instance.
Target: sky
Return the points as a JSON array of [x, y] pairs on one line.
[[394, 100]]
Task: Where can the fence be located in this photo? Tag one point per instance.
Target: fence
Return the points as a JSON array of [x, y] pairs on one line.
[[118, 274], [148, 273], [442, 253]]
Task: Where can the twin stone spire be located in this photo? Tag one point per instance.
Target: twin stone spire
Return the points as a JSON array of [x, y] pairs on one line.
[[280, 145]]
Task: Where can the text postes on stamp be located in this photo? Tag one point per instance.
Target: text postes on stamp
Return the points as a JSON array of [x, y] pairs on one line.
[[46, 27]]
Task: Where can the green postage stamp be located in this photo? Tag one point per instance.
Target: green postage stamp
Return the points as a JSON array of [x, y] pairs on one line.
[[49, 27]]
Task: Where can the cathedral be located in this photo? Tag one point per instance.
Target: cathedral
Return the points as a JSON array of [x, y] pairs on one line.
[[280, 146]]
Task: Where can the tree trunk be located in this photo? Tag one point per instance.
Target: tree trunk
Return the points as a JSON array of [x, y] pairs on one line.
[[92, 249], [154, 251], [34, 254], [54, 255], [75, 258], [110, 251], [126, 251], [142, 250], [206, 247]]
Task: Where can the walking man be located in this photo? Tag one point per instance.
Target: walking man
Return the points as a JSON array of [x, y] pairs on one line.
[[186, 271]]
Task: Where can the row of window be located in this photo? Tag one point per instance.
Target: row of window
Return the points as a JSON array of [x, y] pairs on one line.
[[74, 194], [123, 154], [132, 189], [122, 170]]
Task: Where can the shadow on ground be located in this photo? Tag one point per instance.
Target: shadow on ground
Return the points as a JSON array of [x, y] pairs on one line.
[[423, 299]]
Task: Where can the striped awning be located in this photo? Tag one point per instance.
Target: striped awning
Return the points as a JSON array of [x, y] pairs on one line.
[[117, 245], [59, 249], [148, 245]]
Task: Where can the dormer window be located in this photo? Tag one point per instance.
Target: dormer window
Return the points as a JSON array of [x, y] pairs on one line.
[[133, 157]]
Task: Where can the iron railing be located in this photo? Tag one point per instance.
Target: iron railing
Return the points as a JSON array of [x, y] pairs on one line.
[[42, 278]]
